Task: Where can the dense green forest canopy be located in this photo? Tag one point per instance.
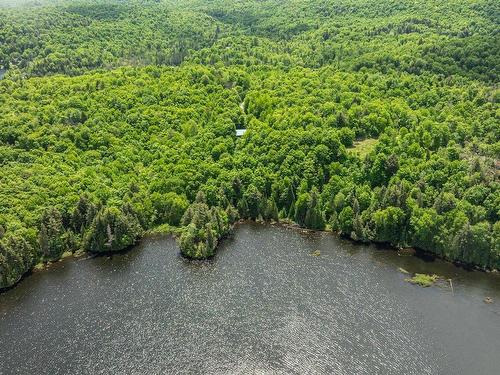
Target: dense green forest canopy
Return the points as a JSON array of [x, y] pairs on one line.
[[458, 37], [376, 119]]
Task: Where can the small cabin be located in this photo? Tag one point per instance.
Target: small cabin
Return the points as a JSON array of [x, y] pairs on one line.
[[240, 132]]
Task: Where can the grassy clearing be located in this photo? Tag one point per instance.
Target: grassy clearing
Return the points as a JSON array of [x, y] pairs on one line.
[[364, 147]]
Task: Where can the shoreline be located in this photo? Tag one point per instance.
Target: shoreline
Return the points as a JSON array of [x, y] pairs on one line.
[[412, 251], [169, 231]]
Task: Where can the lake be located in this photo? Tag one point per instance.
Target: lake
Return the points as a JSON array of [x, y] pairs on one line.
[[263, 305]]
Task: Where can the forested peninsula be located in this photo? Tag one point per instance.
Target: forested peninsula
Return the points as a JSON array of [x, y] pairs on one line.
[[378, 120]]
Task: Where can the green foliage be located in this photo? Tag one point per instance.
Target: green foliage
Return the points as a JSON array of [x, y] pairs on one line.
[[308, 212], [17, 256], [495, 253], [314, 216], [203, 229], [169, 207], [253, 199], [346, 220], [52, 234], [112, 229], [72, 38], [270, 210], [424, 224], [301, 208], [120, 116], [423, 280], [388, 224]]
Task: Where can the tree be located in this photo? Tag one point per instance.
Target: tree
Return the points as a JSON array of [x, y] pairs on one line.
[[339, 201], [199, 238], [17, 256], [314, 217], [51, 237], [345, 220], [253, 199], [111, 230], [187, 241], [388, 224], [424, 226], [301, 207], [269, 210], [286, 194], [243, 209], [83, 214], [473, 243], [232, 214], [495, 247], [170, 207], [358, 230]]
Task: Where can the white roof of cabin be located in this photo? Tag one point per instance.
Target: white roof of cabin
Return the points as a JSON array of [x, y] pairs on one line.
[[240, 132]]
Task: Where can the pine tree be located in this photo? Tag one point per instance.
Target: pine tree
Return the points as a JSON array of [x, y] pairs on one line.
[[83, 214], [211, 241], [112, 230], [334, 221], [232, 214], [51, 234], [243, 208], [314, 217], [273, 210], [201, 197], [253, 199], [301, 208]]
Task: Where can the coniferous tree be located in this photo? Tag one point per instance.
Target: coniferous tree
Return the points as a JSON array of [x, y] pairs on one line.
[[52, 233], [314, 217], [111, 230], [301, 208], [253, 198]]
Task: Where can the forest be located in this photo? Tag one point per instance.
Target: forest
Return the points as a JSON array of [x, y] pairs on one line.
[[377, 120]]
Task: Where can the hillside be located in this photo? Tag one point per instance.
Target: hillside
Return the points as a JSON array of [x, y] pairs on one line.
[[379, 121]]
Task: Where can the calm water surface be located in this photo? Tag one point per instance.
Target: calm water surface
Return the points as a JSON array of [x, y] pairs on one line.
[[262, 306]]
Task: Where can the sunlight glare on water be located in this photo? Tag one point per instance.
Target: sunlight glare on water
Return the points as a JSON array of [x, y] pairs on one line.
[[263, 305]]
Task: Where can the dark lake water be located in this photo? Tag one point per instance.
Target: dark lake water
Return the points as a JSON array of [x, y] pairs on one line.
[[263, 305]]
